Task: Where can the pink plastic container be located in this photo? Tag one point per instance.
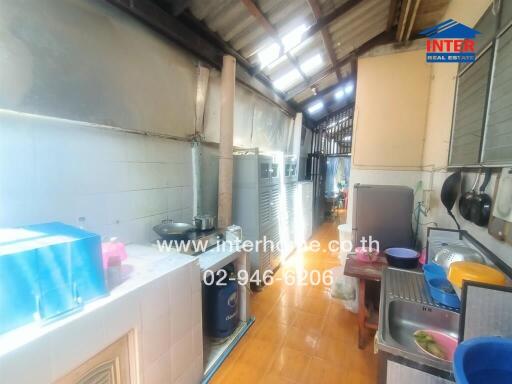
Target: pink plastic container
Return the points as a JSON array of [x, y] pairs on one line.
[[113, 252], [368, 255], [423, 256]]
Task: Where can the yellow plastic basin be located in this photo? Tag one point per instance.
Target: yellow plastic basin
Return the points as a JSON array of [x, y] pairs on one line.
[[470, 271]]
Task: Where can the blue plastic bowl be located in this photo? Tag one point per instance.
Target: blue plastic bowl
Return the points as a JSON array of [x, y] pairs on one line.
[[402, 257], [442, 292], [433, 270], [483, 360], [439, 287]]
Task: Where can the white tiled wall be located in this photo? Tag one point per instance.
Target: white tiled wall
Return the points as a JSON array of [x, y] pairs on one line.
[[121, 183], [151, 311]]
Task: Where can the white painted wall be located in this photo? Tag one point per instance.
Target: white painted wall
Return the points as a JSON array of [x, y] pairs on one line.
[[123, 184]]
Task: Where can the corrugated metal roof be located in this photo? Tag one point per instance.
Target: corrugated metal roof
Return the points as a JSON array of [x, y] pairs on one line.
[[359, 25], [328, 6], [361, 21], [322, 84]]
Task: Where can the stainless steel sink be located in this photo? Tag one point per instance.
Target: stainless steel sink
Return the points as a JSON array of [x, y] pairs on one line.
[[405, 318], [406, 307]]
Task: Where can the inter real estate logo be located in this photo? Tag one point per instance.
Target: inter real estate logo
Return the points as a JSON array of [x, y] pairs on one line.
[[450, 42]]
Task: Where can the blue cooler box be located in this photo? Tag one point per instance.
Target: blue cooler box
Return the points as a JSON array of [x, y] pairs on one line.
[[46, 271]]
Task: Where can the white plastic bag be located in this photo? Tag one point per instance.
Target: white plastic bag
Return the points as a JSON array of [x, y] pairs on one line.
[[345, 240], [344, 288]]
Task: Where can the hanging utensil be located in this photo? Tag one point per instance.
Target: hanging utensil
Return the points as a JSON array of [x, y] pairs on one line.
[[481, 204], [466, 199], [450, 192]]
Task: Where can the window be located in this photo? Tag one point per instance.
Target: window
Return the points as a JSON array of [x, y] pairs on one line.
[[498, 135], [482, 122], [469, 112]]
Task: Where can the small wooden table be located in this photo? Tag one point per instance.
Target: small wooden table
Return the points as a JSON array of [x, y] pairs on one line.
[[365, 271]]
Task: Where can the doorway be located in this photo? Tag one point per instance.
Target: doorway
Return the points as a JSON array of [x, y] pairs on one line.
[[328, 165]]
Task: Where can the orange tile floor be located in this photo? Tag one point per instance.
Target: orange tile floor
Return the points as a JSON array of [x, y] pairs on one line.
[[301, 334]]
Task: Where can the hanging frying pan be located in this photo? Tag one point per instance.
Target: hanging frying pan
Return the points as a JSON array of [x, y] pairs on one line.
[[466, 200], [481, 203], [450, 192]]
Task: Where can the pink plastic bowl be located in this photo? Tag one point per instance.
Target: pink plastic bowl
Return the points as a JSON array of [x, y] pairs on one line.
[[447, 343]]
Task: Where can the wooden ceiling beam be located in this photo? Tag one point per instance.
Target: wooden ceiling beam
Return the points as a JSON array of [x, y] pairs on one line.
[[402, 20], [324, 21], [385, 37], [408, 13], [262, 20], [319, 77], [177, 7], [256, 12], [317, 12], [412, 20], [324, 92], [353, 68], [202, 29], [393, 7]]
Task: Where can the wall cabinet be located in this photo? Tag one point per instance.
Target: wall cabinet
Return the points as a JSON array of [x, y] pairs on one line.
[[482, 123]]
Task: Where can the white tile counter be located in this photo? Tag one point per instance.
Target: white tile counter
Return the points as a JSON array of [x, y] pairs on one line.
[[216, 258], [160, 302]]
